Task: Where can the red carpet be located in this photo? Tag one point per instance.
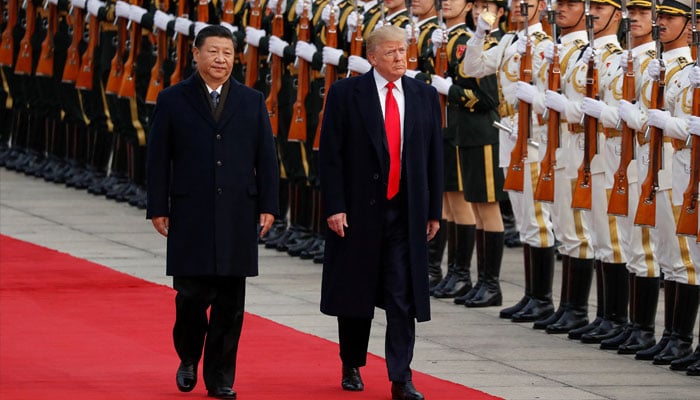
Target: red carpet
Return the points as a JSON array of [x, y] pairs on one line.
[[72, 329]]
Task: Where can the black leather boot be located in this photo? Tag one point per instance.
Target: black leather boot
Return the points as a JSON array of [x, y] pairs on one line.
[[684, 312], [451, 248], [585, 328], [563, 298], [490, 292], [614, 343], [579, 287], [480, 271], [436, 250], [460, 282], [689, 363], [540, 305], [615, 295], [509, 311], [669, 304], [645, 299]]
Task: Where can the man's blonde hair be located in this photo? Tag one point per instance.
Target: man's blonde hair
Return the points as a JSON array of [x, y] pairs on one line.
[[387, 33]]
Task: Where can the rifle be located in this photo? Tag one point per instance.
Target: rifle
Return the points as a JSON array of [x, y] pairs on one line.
[[356, 39], [275, 72], [544, 190], [619, 196], [514, 179], [72, 67], [582, 196], [297, 129], [8, 42], [203, 10], [157, 73], [24, 58], [687, 224], [646, 209], [128, 86], [87, 63], [116, 70], [330, 76], [180, 56], [46, 57], [441, 63], [251, 56], [412, 49]]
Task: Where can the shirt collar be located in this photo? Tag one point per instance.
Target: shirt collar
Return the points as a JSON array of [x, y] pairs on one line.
[[381, 82]]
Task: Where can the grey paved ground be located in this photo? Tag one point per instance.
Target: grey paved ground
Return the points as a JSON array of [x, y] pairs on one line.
[[467, 346]]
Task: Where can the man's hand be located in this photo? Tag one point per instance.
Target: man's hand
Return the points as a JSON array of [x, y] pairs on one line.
[[161, 224], [433, 227], [266, 220], [337, 223]]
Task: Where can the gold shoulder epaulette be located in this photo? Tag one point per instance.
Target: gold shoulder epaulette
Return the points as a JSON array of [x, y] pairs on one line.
[[683, 62], [579, 44], [540, 36], [613, 48], [651, 53]]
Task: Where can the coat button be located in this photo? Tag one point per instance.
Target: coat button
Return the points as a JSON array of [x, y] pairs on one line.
[[218, 136], [375, 176], [219, 190], [219, 163], [372, 202]]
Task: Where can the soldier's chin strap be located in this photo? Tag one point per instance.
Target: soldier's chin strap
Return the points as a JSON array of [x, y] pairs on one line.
[[607, 23], [577, 22], [679, 33]]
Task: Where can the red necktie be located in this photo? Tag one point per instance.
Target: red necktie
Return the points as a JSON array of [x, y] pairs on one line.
[[392, 125]]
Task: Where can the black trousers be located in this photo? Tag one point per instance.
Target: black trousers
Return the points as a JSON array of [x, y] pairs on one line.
[[217, 335], [396, 299]]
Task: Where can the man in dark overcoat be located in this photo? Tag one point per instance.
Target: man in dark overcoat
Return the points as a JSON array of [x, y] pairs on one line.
[[376, 250], [212, 190]]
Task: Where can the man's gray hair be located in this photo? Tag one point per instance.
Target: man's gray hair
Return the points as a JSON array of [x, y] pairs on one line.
[[387, 33]]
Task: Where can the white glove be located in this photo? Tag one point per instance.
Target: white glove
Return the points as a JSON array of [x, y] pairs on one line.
[[626, 54], [482, 26], [228, 26], [592, 107], [378, 25], [301, 4], [442, 85], [326, 13], [198, 26], [78, 3], [182, 26], [653, 69], [253, 36], [358, 64], [272, 5], [161, 20], [305, 50], [136, 13], [549, 52], [412, 32], [411, 73], [436, 39], [94, 6], [351, 23], [525, 92], [121, 9], [694, 76], [588, 54], [658, 118], [277, 46], [555, 101], [331, 55], [630, 113], [521, 43], [694, 125]]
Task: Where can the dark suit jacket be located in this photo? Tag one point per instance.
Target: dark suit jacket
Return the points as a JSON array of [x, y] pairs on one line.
[[354, 170], [211, 177]]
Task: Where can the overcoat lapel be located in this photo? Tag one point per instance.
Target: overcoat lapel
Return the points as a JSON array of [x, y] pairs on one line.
[[193, 95], [367, 102], [233, 100], [411, 109]]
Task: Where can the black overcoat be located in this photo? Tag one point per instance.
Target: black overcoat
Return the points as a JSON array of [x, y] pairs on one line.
[[354, 170], [212, 178]]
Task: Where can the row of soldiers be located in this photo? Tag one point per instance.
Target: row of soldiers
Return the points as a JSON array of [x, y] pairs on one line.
[[604, 154], [570, 132]]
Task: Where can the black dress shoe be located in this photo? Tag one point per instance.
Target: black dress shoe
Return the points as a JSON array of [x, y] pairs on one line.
[[222, 393], [405, 391], [186, 377], [352, 380]]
